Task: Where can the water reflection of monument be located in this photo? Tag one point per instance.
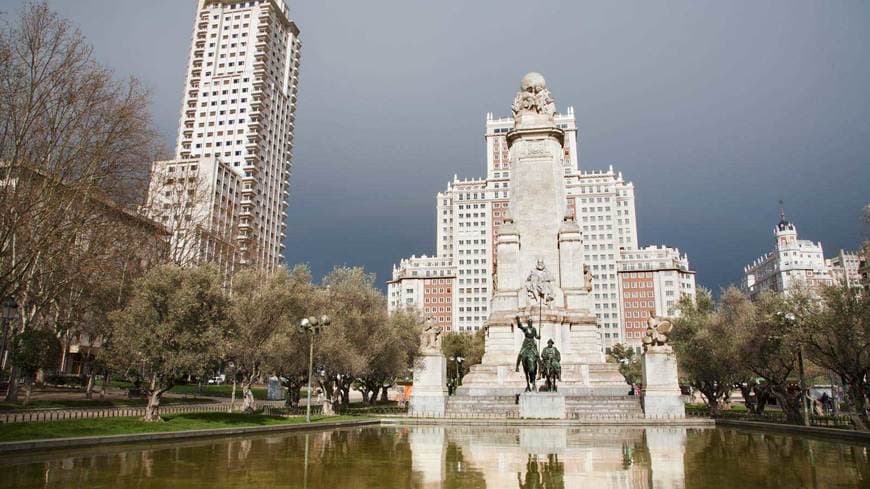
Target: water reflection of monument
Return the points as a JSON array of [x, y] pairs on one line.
[[549, 457]]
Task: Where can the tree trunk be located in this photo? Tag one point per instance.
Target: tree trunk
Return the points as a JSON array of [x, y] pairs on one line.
[[248, 404], [152, 411], [233, 395], [385, 396], [711, 397], [28, 389], [749, 398], [345, 395], [89, 388], [856, 396], [365, 395], [789, 403], [12, 390], [105, 384]]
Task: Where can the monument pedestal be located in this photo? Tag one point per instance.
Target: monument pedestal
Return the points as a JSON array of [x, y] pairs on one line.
[[542, 405], [429, 395], [661, 398]]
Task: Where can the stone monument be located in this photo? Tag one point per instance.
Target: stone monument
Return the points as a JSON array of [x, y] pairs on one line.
[[541, 272], [661, 389], [429, 394]]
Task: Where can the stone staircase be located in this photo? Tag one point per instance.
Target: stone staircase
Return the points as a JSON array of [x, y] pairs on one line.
[[603, 407], [589, 408], [482, 407]]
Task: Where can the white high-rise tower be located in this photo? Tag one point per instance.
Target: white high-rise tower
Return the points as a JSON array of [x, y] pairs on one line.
[[236, 130]]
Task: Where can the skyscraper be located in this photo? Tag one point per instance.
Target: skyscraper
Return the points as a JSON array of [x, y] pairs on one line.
[[236, 132]]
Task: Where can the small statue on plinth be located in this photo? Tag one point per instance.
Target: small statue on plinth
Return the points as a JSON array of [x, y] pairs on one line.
[[539, 285], [430, 338], [656, 337], [551, 366], [528, 355]]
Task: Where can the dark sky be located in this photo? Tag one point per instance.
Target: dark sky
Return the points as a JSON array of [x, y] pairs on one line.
[[715, 110]]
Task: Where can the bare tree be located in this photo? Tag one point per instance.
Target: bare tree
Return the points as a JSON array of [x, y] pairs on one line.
[[70, 135]]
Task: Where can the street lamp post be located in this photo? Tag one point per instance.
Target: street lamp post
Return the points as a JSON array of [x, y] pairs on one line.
[[790, 318], [458, 359], [311, 326]]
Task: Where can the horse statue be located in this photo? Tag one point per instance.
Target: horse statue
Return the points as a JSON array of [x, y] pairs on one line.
[[551, 365], [528, 355]]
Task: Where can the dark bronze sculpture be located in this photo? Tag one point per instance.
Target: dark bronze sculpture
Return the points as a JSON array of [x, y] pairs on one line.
[[551, 366], [528, 355]]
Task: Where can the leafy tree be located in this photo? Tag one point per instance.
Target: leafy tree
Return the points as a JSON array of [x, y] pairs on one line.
[[287, 358], [629, 363], [770, 350], [357, 309], [261, 305], [706, 347], [33, 350], [835, 333], [175, 323], [468, 346]]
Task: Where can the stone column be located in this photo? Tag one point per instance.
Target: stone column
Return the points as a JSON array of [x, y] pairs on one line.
[[661, 398], [429, 395]]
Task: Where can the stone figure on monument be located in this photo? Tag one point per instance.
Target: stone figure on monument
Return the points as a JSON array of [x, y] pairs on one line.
[[587, 278], [539, 285], [551, 366], [656, 336], [430, 338], [528, 355], [534, 97]]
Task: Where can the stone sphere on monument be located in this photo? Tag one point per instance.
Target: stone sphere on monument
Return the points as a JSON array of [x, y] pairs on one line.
[[533, 82]]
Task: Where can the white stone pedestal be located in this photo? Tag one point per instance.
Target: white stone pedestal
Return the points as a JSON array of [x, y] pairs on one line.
[[661, 398], [429, 395], [542, 405]]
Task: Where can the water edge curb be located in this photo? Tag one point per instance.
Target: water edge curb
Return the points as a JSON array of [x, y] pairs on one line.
[[90, 441]]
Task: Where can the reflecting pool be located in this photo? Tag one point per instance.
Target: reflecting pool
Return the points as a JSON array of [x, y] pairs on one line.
[[457, 457]]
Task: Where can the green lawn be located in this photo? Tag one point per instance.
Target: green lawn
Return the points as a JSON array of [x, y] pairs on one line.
[[127, 425], [97, 403]]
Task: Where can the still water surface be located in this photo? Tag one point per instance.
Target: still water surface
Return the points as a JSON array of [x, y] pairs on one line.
[[457, 457]]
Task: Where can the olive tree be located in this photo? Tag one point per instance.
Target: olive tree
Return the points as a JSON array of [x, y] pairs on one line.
[[835, 333], [261, 305], [175, 323], [706, 347]]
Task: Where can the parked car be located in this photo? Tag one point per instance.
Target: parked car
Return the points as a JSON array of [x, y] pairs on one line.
[[217, 380]]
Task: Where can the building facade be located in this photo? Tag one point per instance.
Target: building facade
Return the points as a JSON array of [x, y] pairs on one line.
[[651, 282], [469, 212], [238, 117], [424, 284], [793, 263], [864, 267], [844, 267]]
